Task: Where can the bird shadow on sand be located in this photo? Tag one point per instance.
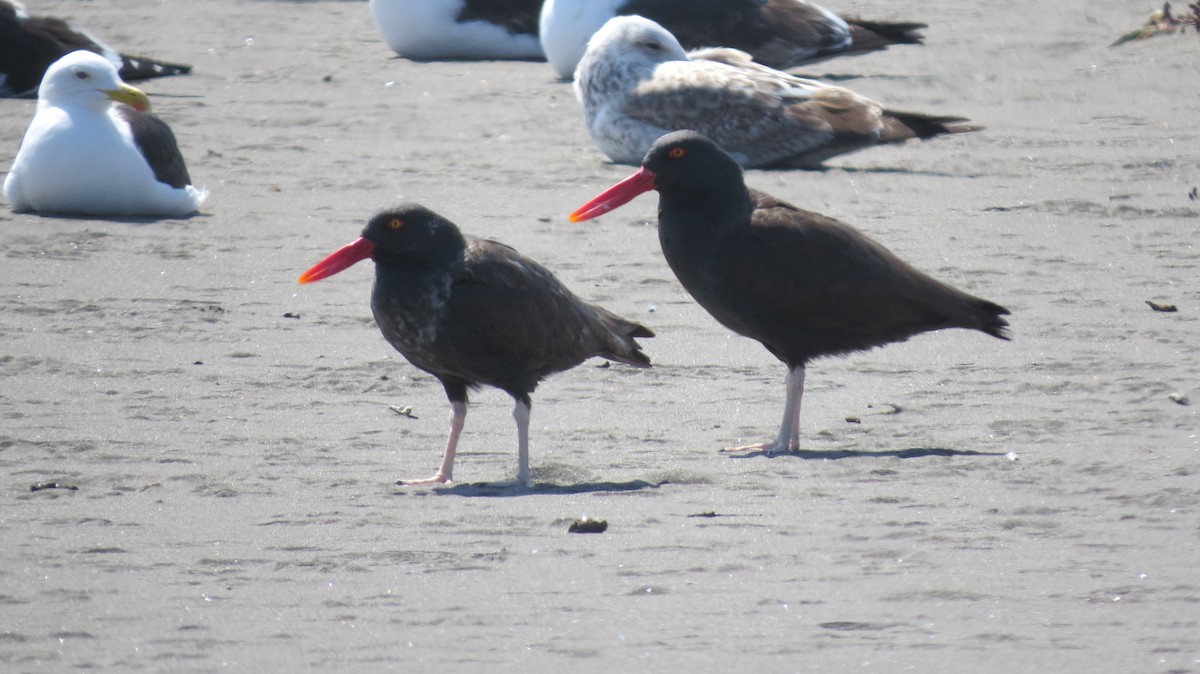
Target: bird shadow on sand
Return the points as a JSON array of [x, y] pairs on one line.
[[897, 170], [507, 489], [159, 94], [835, 454], [124, 219], [846, 77]]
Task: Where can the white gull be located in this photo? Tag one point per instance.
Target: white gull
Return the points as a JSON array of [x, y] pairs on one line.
[[459, 29], [94, 149]]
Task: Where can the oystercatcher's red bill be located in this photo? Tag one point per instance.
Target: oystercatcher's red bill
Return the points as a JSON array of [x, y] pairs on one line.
[[616, 196], [343, 258]]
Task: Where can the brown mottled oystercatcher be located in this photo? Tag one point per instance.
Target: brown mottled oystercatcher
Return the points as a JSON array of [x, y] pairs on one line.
[[636, 83], [802, 284], [473, 312]]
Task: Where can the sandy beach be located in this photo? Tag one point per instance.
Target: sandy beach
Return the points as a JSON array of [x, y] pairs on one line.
[[225, 452]]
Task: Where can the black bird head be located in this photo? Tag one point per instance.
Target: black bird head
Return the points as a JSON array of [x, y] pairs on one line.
[[408, 233], [680, 162]]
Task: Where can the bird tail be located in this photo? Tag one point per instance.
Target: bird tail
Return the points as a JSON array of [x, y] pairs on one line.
[[142, 68], [991, 319], [873, 35], [904, 125], [622, 345]]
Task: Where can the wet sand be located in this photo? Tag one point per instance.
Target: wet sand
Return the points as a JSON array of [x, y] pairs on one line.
[[997, 507]]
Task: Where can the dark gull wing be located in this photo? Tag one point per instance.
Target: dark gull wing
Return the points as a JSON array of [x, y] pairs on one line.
[[517, 16], [29, 44], [145, 68], [780, 34], [157, 144]]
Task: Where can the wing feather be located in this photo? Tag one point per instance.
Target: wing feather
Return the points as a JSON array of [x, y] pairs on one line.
[[750, 110], [157, 144], [518, 319], [815, 277]]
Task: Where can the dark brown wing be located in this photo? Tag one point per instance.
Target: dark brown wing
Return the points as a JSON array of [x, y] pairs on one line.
[[29, 46], [759, 115], [510, 322], [801, 31], [778, 33], [796, 279], [765, 117], [874, 35], [903, 125], [157, 144]]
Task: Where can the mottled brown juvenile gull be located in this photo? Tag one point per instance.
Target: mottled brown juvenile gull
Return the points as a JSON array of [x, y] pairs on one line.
[[636, 83]]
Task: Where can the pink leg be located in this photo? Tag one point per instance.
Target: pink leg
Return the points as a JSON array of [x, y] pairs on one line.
[[521, 414], [458, 419], [788, 439]]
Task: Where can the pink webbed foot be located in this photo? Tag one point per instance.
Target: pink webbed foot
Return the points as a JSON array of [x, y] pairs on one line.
[[436, 479], [788, 439], [768, 448]]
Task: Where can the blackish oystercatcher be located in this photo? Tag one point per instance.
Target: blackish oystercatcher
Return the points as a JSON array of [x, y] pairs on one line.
[[802, 284], [776, 33], [475, 312], [637, 83], [93, 148], [29, 44]]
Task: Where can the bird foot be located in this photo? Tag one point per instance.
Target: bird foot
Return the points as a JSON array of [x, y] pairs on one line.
[[767, 448], [436, 479], [511, 484]]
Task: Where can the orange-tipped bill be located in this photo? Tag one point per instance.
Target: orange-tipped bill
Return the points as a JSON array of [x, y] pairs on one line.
[[131, 96], [342, 258], [616, 196]]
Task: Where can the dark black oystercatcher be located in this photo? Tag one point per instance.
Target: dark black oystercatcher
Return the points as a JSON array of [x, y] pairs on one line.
[[472, 312], [803, 284], [29, 44]]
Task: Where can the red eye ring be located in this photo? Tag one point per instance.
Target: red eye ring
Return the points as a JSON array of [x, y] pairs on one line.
[[677, 153], [395, 223]]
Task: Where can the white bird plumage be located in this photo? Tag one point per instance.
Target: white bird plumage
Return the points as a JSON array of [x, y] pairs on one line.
[[86, 153], [565, 26], [442, 29]]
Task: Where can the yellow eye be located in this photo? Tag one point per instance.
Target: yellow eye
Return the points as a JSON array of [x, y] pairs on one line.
[[677, 153], [395, 223]]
